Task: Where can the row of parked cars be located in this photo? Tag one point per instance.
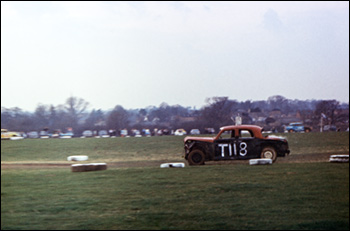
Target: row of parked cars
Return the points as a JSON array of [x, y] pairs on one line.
[[5, 134], [139, 133]]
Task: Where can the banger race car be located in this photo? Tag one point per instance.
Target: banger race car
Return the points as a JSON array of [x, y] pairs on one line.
[[235, 143], [7, 135]]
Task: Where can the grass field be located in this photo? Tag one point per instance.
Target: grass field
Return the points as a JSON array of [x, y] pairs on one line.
[[145, 148], [238, 196]]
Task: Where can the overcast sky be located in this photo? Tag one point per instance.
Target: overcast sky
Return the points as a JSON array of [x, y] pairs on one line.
[[138, 54]]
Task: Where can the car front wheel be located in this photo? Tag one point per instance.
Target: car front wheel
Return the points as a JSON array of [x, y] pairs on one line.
[[269, 153], [196, 157]]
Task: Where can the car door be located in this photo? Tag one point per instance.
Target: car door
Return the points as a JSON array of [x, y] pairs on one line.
[[246, 144], [224, 147]]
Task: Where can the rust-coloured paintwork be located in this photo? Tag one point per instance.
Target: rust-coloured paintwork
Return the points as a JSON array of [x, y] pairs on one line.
[[256, 130]]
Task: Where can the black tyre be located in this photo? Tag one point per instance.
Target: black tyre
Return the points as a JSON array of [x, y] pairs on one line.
[[269, 153], [196, 157]]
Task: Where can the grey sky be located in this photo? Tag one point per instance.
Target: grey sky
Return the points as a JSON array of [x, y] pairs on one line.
[[137, 54]]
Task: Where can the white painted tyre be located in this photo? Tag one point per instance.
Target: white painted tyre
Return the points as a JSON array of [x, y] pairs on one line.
[[172, 165], [77, 158], [262, 161], [339, 159], [16, 138]]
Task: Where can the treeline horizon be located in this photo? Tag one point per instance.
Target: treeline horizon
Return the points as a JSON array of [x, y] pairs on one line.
[[217, 112], [174, 105]]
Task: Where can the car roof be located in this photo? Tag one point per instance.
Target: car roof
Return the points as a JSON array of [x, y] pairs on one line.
[[231, 127], [253, 128]]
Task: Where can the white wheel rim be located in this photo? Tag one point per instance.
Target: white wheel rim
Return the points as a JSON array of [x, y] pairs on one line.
[[268, 154]]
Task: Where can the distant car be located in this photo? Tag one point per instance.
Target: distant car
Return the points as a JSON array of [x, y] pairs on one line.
[[56, 134], [103, 133], [87, 133], [297, 127], [6, 135], [136, 133], [66, 135], [180, 132], [146, 132], [124, 133], [195, 132], [329, 128], [163, 132], [33, 135], [44, 134], [235, 143], [209, 130]]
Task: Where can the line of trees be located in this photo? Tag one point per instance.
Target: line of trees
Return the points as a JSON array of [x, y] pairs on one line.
[[217, 112]]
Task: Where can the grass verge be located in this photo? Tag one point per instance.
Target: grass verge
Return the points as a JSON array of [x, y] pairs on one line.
[[280, 196]]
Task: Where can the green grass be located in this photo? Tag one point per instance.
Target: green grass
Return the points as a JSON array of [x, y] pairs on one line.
[[103, 149], [146, 148], [308, 143], [281, 196]]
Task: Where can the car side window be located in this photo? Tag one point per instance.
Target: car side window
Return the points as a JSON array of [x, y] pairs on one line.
[[245, 133]]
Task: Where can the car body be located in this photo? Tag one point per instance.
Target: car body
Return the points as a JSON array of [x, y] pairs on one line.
[[236, 142], [44, 134], [33, 135], [136, 133], [87, 133], [56, 133], [209, 130], [195, 132], [6, 135], [103, 134], [180, 132], [297, 127], [330, 128], [68, 134], [146, 132], [124, 133]]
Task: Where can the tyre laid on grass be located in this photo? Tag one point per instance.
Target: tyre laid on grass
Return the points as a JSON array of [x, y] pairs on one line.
[[260, 161], [339, 159], [196, 157], [172, 165], [269, 153], [16, 138], [77, 158]]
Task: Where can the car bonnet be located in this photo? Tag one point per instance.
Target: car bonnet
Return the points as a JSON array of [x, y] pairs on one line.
[[203, 139]]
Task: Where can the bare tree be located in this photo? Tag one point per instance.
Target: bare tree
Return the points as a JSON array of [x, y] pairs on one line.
[[42, 116], [219, 111], [118, 118], [75, 108], [327, 108]]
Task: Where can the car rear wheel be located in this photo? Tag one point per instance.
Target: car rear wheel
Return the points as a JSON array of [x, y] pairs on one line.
[[196, 157], [269, 153]]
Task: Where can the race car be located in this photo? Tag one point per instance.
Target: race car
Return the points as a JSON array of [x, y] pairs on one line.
[[6, 135], [235, 142], [297, 127]]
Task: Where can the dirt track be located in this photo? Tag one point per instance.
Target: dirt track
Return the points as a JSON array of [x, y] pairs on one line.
[[301, 158]]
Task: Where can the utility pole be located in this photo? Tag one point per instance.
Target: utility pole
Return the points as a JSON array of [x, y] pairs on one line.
[[323, 116]]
